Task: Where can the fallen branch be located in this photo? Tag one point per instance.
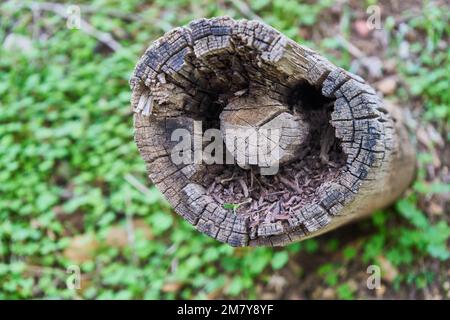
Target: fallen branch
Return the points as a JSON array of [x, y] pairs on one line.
[[342, 153]]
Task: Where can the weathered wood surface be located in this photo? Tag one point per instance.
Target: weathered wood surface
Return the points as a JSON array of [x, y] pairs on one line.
[[251, 69]]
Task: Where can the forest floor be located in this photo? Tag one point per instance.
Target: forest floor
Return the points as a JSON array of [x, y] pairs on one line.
[[73, 189]]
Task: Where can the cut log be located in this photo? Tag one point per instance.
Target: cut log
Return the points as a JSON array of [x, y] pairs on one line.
[[340, 153]]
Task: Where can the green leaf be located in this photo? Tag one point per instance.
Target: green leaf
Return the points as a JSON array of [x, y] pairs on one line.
[[232, 206], [161, 221], [345, 292], [349, 252], [409, 211], [236, 286], [280, 259]]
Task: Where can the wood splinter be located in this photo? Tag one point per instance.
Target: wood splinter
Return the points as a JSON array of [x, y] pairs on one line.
[[342, 154]]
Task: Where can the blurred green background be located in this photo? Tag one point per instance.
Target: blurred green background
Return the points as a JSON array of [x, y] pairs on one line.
[[73, 189]]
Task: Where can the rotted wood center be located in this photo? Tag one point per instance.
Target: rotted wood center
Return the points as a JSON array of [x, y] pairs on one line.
[[339, 153], [278, 133]]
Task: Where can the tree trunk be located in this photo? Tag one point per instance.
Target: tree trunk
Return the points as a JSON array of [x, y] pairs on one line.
[[340, 153]]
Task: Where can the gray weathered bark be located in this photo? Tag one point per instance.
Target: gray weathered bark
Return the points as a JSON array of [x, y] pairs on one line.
[[244, 73]]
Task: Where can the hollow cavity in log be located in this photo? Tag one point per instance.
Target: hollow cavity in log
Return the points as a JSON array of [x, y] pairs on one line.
[[338, 148]]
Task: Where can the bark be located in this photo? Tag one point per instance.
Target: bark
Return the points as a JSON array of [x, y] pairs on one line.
[[229, 73]]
